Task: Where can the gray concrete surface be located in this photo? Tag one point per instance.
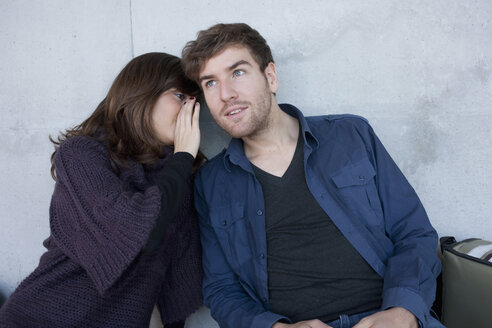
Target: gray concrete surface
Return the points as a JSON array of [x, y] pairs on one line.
[[420, 71]]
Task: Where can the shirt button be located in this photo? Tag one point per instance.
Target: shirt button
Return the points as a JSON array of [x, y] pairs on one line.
[[264, 300], [259, 212], [262, 256], [224, 222]]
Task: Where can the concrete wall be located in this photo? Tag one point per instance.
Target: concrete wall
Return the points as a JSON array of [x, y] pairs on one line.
[[420, 71]]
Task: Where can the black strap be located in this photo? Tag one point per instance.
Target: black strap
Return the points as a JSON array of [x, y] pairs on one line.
[[446, 242]]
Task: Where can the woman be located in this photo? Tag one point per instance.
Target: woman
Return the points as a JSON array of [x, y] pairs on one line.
[[124, 234]]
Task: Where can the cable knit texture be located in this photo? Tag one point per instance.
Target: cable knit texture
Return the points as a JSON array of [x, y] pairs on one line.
[[94, 273]]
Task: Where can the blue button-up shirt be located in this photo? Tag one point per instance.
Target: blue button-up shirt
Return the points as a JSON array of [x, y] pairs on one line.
[[357, 184]]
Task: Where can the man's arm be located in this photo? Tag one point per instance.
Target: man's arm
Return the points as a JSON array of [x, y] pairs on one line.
[[411, 272], [229, 303]]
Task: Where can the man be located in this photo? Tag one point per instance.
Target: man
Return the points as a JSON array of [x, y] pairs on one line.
[[305, 221]]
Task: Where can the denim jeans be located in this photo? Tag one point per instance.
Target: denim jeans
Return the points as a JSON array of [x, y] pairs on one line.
[[348, 321]]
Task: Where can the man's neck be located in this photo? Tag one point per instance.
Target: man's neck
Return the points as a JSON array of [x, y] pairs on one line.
[[272, 148]]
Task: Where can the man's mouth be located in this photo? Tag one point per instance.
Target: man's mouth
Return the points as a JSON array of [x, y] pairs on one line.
[[235, 111]]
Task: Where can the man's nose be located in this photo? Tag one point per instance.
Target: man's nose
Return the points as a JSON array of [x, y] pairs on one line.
[[227, 91]]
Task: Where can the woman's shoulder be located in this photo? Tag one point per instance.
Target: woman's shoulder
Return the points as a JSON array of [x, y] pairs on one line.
[[82, 148], [82, 144]]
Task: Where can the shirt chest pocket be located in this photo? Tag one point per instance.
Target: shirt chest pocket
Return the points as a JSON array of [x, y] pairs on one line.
[[356, 187], [230, 226]]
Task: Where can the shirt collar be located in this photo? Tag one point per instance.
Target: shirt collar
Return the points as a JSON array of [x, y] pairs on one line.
[[235, 151]]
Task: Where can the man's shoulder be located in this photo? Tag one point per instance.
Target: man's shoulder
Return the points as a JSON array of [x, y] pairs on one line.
[[320, 120], [338, 118], [337, 122]]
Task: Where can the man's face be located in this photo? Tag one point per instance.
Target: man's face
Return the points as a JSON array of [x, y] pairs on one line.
[[238, 93]]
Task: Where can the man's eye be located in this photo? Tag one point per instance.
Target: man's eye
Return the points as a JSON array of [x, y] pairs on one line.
[[238, 72], [210, 83]]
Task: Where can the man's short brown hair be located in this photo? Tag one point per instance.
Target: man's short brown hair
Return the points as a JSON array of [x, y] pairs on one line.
[[217, 38]]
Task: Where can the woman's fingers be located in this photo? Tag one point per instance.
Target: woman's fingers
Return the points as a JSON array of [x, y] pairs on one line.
[[196, 114], [187, 131], [187, 110]]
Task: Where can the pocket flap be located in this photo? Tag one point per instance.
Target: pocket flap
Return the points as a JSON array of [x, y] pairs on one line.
[[224, 216], [356, 174]]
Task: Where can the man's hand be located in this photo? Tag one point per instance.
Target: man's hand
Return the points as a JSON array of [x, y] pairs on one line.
[[302, 324], [396, 317]]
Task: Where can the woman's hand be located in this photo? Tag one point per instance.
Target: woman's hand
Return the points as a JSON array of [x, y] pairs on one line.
[[187, 131]]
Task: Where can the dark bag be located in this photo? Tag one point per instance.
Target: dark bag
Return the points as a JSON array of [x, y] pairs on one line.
[[466, 283]]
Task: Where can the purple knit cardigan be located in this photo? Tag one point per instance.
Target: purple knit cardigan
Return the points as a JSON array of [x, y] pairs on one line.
[[94, 273]]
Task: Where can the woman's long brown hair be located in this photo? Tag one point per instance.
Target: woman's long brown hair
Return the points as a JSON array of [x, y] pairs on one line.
[[123, 120]]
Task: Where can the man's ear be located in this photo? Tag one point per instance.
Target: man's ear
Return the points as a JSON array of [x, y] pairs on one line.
[[271, 76]]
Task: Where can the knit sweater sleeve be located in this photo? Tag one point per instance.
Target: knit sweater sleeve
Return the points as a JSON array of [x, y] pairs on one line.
[[172, 182], [181, 290], [95, 219]]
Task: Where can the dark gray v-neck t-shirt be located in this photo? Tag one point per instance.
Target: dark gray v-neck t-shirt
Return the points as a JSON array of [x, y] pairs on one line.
[[313, 270]]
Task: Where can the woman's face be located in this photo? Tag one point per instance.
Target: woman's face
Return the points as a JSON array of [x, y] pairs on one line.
[[164, 114]]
